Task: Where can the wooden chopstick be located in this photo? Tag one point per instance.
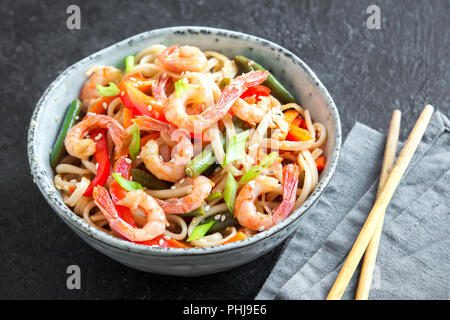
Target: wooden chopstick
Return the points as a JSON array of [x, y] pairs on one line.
[[380, 205], [370, 257]]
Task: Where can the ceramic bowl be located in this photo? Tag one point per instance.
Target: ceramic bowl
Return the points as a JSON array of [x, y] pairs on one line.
[[289, 69]]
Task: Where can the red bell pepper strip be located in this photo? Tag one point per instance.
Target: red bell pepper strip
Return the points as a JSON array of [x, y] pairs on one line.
[[117, 192], [133, 98], [102, 159], [160, 241], [256, 91]]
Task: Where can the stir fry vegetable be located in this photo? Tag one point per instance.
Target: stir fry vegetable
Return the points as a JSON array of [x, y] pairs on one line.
[[129, 63], [148, 180], [256, 170], [127, 184], [229, 193], [214, 196], [236, 147], [181, 86], [122, 167], [59, 151], [108, 91], [135, 145], [278, 90], [200, 230], [201, 162], [101, 158]]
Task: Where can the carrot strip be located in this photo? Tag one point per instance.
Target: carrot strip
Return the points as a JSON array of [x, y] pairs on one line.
[[238, 236], [320, 163]]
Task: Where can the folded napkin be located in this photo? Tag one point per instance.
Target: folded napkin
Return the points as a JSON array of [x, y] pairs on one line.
[[413, 260]]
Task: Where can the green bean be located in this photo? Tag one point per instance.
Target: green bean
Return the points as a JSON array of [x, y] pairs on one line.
[[201, 162], [229, 221], [200, 211], [148, 180], [59, 150], [278, 90]]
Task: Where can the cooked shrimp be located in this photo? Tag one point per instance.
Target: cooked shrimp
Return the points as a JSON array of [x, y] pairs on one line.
[[173, 170], [175, 107], [290, 182], [179, 59], [252, 113], [245, 209], [156, 219], [201, 188], [101, 76], [79, 147]]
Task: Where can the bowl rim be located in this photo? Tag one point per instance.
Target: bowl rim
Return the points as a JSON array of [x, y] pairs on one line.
[[81, 225]]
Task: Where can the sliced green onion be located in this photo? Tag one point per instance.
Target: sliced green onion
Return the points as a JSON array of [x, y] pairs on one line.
[[214, 196], [229, 193], [256, 170], [108, 91], [135, 146], [148, 180], [127, 184], [200, 211], [200, 230], [129, 63], [236, 147], [181, 86]]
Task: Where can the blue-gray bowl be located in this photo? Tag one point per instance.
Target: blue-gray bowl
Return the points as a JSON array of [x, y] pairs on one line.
[[288, 68]]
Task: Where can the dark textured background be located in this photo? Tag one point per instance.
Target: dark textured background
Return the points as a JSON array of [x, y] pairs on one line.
[[368, 73]]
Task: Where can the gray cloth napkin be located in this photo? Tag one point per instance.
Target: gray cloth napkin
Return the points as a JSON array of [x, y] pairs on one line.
[[413, 259]]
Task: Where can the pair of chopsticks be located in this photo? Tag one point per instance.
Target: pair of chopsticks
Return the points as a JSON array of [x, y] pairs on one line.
[[368, 239]]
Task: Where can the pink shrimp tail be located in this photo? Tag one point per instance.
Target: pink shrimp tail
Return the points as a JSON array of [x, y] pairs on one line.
[[147, 123], [290, 182], [237, 87]]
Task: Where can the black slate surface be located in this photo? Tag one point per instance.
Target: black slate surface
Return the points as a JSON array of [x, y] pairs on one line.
[[368, 73]]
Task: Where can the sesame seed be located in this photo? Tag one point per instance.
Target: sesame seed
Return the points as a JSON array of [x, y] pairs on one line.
[[127, 160], [173, 187], [56, 118], [217, 169], [77, 117], [182, 180], [73, 181], [223, 218], [217, 216], [51, 150], [98, 137], [161, 242], [133, 78], [32, 123], [96, 165], [138, 156], [261, 228], [149, 108], [105, 105], [122, 93], [167, 237], [139, 82], [135, 84]]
